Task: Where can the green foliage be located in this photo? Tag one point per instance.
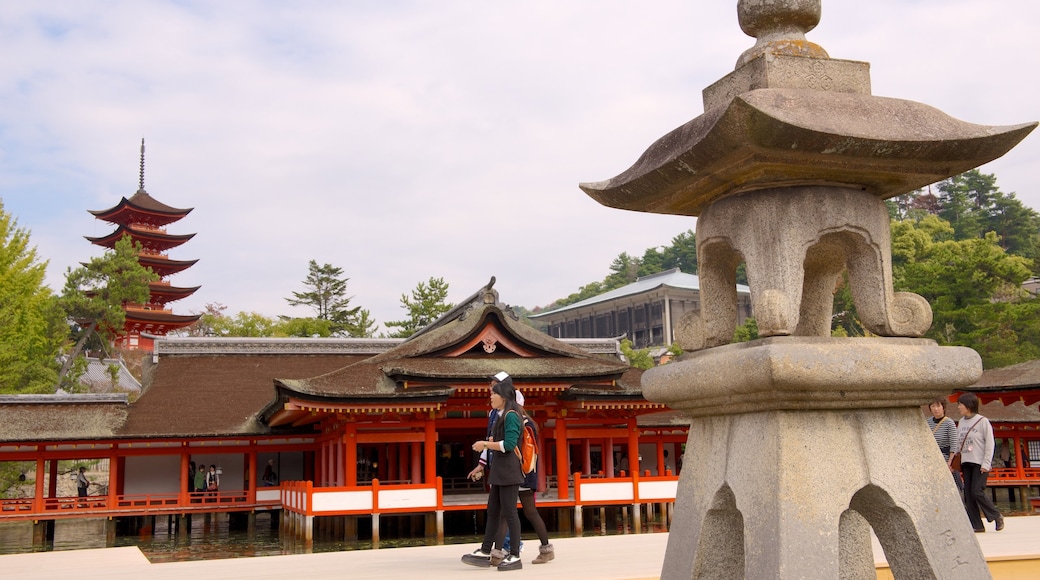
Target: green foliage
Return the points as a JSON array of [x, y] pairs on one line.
[[747, 331], [12, 475], [32, 327], [95, 294], [327, 295], [427, 304], [974, 288], [640, 358]]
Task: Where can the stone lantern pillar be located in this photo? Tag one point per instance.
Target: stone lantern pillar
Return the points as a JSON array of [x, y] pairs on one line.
[[801, 443]]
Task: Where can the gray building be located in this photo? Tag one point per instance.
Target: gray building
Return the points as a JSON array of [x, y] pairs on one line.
[[646, 311]]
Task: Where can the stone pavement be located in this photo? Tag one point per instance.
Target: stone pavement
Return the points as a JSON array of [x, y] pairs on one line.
[[1012, 553]]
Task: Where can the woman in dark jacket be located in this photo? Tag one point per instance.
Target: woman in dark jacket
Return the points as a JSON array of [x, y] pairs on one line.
[[505, 478]]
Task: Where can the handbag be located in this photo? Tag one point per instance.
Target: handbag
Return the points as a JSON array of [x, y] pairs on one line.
[[955, 459]]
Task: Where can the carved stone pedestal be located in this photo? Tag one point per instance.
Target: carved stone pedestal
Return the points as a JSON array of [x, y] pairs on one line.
[[799, 446]]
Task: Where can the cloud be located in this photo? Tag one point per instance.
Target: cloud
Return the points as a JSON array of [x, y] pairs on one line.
[[403, 140]]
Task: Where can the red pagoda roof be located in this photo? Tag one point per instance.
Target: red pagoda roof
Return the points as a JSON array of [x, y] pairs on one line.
[[155, 241], [143, 209], [162, 293], [164, 266], [156, 321]]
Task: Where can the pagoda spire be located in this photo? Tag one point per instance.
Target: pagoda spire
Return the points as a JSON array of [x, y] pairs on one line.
[[140, 186]]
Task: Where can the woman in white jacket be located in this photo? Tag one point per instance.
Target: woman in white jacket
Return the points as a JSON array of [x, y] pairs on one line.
[[976, 448]]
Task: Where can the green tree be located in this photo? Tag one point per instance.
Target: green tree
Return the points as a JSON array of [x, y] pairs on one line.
[[426, 304], [95, 294], [327, 295], [974, 289], [32, 328], [682, 253], [245, 324], [638, 358]]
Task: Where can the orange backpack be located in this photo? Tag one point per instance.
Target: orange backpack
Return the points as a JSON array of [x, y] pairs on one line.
[[527, 448]]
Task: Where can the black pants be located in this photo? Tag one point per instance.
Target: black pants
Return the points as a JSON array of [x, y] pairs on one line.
[[502, 506], [975, 497], [532, 515]]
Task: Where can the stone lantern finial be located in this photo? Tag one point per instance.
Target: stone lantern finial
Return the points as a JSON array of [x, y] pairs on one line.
[[780, 27]]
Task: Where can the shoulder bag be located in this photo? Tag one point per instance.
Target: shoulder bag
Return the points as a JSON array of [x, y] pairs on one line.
[[955, 459]]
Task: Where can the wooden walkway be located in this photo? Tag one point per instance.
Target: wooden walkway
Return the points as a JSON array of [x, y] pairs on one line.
[[1013, 553]]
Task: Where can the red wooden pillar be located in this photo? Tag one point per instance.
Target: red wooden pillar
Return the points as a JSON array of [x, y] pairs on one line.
[[430, 447], [415, 474], [562, 458], [114, 474], [608, 457], [395, 462], [1020, 468], [350, 457], [41, 468], [185, 498], [541, 458], [633, 449], [251, 471]]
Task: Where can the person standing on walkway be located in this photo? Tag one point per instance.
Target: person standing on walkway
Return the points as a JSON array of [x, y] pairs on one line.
[[212, 481], [976, 448], [546, 552], [82, 483], [505, 478], [944, 430]]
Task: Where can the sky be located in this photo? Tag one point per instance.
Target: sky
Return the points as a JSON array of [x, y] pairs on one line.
[[403, 140]]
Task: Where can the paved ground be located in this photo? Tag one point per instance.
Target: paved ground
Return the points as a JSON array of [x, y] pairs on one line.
[[627, 557]]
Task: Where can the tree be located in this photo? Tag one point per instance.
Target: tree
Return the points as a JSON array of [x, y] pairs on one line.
[[424, 307], [974, 289], [638, 358], [327, 295], [32, 328], [95, 294]]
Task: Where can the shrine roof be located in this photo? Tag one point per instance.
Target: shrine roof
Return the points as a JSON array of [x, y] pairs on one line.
[[61, 417], [450, 351], [208, 387], [1024, 375], [143, 202], [160, 316], [147, 238]]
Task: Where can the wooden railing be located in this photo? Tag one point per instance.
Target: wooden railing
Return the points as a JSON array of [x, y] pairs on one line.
[[1012, 476]]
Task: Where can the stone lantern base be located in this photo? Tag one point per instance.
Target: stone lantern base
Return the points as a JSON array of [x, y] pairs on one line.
[[799, 446]]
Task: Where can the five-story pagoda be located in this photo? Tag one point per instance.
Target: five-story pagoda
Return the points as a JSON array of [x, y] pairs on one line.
[[144, 219]]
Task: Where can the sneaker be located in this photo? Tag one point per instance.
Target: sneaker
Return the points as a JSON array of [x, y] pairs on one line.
[[477, 558], [510, 563]]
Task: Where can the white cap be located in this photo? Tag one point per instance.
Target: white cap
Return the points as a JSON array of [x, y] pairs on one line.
[[500, 376]]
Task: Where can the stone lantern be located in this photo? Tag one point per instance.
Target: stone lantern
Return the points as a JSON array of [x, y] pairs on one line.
[[800, 443]]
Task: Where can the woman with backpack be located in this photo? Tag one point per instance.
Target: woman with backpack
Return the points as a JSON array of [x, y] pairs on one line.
[[546, 552], [505, 479]]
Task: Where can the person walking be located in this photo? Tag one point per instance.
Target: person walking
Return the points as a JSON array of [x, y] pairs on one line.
[[505, 478], [546, 552], [944, 430], [976, 448]]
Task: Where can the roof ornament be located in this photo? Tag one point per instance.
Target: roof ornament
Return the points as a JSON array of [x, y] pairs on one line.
[[140, 186]]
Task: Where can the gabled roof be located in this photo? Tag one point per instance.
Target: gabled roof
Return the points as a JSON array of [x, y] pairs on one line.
[[465, 346], [670, 278]]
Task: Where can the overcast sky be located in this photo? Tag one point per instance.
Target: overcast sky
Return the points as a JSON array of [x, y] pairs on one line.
[[401, 140]]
